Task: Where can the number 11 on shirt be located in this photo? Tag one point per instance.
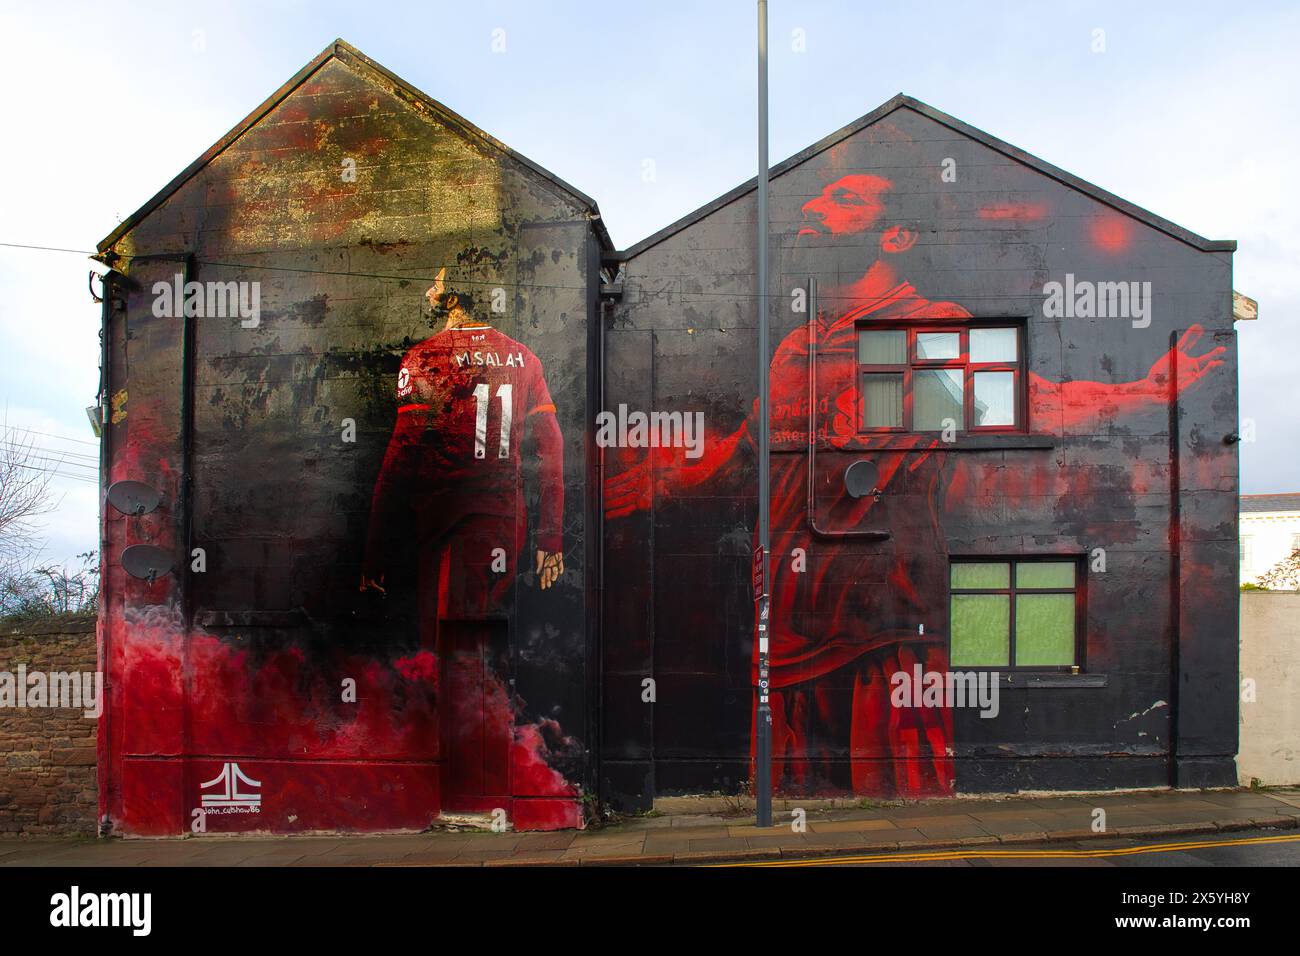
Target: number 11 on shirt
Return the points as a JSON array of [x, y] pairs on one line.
[[482, 399]]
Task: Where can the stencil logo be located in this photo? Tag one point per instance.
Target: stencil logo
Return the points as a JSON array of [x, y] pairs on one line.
[[234, 792]]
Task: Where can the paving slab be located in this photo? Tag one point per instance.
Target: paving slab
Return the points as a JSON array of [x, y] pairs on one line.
[[791, 841], [427, 857], [1026, 836], [534, 858], [952, 831], [1239, 799], [853, 826], [608, 849], [559, 840]]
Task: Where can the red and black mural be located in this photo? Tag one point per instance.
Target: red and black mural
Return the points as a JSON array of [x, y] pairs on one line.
[[836, 644], [919, 335], [411, 574], [373, 491], [449, 500]]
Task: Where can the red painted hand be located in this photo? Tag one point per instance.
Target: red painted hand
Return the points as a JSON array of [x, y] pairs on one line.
[[630, 490], [1189, 368]]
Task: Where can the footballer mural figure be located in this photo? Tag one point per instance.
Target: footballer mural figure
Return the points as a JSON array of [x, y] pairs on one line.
[[470, 400], [448, 517], [844, 627]]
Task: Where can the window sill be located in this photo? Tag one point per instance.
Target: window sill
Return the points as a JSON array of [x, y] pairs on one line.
[[1030, 679], [998, 441]]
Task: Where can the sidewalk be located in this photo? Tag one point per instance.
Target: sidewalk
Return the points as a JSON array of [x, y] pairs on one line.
[[688, 838]]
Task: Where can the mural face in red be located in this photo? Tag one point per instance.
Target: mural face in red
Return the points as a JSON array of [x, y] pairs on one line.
[[862, 611]]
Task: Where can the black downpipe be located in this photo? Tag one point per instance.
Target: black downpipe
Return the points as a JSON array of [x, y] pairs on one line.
[[109, 299], [599, 735], [1175, 566], [876, 534], [187, 456]]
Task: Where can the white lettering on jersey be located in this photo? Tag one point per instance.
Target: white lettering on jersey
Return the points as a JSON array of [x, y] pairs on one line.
[[481, 402], [480, 419], [505, 393], [512, 360], [404, 382]]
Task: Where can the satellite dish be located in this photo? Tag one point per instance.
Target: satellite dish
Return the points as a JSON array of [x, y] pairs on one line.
[[146, 562], [861, 479], [133, 497]]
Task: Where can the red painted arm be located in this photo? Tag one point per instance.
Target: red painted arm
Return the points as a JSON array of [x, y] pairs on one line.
[[1070, 403], [667, 470], [550, 453], [387, 500]]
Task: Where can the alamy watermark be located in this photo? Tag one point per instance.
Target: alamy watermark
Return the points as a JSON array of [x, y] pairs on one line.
[[922, 688], [626, 429], [76, 908], [209, 300], [38, 690], [1084, 299]]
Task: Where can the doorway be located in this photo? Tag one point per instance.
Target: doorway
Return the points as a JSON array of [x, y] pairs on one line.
[[476, 715]]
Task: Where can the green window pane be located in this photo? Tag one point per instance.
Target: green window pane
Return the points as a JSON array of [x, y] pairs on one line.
[[981, 575], [981, 630], [882, 347], [882, 400], [937, 399], [938, 345], [1044, 630], [993, 345], [1045, 574]]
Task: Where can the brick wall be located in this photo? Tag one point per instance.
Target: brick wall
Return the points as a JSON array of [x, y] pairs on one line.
[[47, 755]]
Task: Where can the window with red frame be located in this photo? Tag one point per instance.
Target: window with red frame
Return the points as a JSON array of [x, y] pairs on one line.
[[921, 378]]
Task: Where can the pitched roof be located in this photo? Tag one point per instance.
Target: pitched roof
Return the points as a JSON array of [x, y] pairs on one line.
[[1279, 502], [350, 55], [902, 101]]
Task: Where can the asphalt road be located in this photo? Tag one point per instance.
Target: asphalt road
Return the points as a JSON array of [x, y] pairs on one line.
[[1254, 848]]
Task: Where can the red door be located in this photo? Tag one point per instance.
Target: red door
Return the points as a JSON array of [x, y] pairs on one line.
[[476, 717]]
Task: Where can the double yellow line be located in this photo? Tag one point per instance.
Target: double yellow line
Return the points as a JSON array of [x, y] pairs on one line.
[[974, 854]]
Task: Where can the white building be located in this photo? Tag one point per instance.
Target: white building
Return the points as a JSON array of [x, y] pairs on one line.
[[1270, 530]]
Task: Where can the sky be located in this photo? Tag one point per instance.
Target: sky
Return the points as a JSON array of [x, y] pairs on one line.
[[1188, 111]]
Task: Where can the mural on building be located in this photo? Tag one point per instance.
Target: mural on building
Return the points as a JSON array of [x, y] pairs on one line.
[[374, 510], [407, 577], [449, 499], [845, 627], [452, 467]]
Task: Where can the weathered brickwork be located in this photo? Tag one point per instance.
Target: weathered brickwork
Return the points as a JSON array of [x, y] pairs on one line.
[[47, 755]]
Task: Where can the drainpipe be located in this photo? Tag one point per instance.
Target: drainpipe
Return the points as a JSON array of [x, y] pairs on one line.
[[187, 461], [763, 719], [184, 503], [600, 561], [871, 533], [1175, 566], [103, 743]]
